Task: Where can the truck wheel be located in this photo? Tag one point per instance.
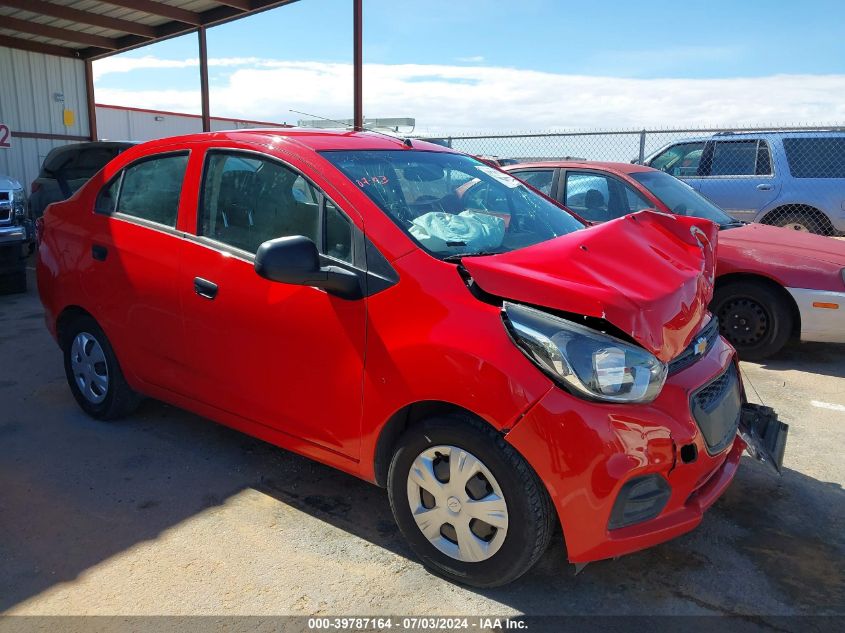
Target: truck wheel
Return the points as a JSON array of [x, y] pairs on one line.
[[93, 372], [754, 317], [469, 505], [806, 221]]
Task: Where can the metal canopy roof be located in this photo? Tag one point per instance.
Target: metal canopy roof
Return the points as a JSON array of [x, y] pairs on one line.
[[89, 29]]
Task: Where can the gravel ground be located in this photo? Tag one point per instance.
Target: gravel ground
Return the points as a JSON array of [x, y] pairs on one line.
[[168, 513]]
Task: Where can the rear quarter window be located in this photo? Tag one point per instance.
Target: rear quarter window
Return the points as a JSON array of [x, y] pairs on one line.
[[819, 157]]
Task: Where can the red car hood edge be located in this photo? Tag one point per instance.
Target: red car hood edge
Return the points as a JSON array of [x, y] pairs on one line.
[[775, 241], [650, 274]]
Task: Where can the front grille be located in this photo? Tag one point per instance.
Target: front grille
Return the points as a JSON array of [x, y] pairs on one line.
[[716, 408], [5, 206], [709, 333]]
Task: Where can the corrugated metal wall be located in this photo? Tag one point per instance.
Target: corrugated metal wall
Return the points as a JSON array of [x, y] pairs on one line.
[[28, 83], [121, 124]]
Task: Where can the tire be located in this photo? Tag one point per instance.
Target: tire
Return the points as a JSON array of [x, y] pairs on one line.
[[754, 317], [523, 530], [93, 373], [805, 221]]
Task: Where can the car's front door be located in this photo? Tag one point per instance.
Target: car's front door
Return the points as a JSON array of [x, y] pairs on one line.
[[737, 175], [284, 356], [598, 196]]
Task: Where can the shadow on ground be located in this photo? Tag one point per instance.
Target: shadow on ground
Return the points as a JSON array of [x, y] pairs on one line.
[[76, 492]]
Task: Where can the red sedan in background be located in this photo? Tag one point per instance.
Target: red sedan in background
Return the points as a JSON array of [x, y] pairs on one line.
[[772, 284]]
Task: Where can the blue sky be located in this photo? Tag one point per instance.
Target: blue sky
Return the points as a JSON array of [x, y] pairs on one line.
[[698, 43]]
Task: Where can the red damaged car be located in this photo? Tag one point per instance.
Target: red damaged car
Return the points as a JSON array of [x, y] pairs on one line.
[[498, 369], [772, 284]]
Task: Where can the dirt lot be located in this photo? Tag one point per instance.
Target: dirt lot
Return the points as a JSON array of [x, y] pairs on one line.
[[168, 513]]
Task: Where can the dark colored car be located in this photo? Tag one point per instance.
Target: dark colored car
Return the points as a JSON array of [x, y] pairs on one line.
[[17, 235], [67, 168]]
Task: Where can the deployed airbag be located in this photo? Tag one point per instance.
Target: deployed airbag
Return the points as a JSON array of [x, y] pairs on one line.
[[466, 232]]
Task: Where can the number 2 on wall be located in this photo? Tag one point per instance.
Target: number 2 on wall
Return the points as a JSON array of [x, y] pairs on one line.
[[4, 136]]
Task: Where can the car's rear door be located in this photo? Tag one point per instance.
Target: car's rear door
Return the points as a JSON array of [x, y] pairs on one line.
[[283, 356], [130, 266], [737, 176]]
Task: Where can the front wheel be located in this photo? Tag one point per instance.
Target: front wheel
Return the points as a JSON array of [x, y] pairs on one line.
[[93, 373], [754, 317], [469, 505]]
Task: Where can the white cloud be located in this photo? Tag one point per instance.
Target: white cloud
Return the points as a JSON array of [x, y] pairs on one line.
[[474, 59], [450, 99]]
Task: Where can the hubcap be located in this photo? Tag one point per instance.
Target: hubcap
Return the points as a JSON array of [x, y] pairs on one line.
[[90, 370], [743, 321], [457, 503], [797, 226]]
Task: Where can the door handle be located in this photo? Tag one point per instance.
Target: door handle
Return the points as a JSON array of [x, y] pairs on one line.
[[99, 252], [764, 187], [205, 288]]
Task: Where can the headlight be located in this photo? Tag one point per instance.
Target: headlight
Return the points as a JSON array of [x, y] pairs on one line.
[[19, 202], [589, 363]]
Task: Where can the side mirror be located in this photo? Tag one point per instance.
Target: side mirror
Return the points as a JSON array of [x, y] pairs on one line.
[[295, 260]]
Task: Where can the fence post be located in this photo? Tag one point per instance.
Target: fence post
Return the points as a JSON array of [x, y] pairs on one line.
[[642, 147], [449, 142]]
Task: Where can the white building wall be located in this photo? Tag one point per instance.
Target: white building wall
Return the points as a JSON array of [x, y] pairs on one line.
[[125, 124], [28, 82]]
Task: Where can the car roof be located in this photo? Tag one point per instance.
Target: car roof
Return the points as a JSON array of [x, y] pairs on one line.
[[92, 144], [307, 138], [619, 168]]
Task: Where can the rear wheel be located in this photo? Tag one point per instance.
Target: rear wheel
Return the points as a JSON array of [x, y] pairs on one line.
[[470, 507], [755, 318], [93, 372]]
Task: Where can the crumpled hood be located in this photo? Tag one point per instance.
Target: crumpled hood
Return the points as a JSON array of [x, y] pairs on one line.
[[780, 241], [650, 274]]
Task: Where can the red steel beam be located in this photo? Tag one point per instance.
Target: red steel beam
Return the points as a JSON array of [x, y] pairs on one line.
[[37, 47], [67, 35], [89, 95], [358, 63], [159, 9], [82, 17], [206, 107]]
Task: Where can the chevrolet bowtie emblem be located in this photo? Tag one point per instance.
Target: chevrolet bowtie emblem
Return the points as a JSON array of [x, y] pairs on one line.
[[700, 346]]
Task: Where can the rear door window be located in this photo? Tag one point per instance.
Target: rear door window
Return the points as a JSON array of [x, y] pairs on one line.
[[819, 157], [734, 158], [150, 189]]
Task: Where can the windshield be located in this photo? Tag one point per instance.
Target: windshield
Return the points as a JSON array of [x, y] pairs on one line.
[[454, 205], [681, 198]]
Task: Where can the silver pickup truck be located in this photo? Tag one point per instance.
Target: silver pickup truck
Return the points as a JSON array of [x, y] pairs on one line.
[[17, 235]]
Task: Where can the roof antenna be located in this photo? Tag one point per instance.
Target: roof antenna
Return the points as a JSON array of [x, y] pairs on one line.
[[407, 142]]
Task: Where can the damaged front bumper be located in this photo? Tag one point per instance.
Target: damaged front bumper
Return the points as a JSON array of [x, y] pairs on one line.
[[763, 434], [654, 457]]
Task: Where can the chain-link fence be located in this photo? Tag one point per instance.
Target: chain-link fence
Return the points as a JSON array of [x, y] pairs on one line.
[[784, 176]]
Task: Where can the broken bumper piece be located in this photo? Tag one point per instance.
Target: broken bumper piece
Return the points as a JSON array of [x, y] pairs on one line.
[[764, 434]]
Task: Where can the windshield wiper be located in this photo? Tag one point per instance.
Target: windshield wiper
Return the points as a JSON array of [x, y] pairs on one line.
[[458, 256]]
